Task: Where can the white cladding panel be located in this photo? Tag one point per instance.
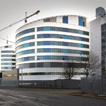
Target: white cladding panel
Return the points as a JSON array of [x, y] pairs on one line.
[[73, 20]]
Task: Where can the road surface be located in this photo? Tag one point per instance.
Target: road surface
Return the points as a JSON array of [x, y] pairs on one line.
[[44, 97]]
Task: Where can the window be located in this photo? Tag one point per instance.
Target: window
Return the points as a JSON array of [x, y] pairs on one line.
[[25, 32], [26, 59], [62, 44], [62, 37], [65, 36], [46, 50], [61, 58], [81, 21], [65, 44], [6, 46], [62, 30], [25, 52], [25, 45], [7, 51], [65, 19], [46, 43]]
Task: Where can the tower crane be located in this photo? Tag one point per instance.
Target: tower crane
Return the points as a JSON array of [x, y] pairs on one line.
[[24, 19]]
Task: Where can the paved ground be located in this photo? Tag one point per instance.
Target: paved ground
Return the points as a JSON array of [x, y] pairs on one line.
[[45, 97]]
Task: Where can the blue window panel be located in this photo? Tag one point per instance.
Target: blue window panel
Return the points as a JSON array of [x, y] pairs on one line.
[[26, 38], [65, 57], [65, 19], [26, 45], [81, 39], [80, 45], [65, 30], [32, 30], [46, 43], [65, 50], [80, 32], [26, 52], [26, 58], [80, 52], [6, 67], [46, 28], [6, 46], [65, 44], [46, 36], [46, 57], [46, 50], [26, 31], [81, 21], [65, 36]]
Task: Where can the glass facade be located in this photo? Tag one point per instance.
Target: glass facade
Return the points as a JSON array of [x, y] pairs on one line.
[[7, 59], [6, 55], [25, 32], [65, 19], [25, 45], [7, 63], [7, 51], [62, 58], [62, 30], [30, 58], [62, 37], [25, 52], [25, 38], [57, 50], [62, 44], [103, 28]]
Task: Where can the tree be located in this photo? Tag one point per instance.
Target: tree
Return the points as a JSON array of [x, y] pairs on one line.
[[68, 71], [92, 64]]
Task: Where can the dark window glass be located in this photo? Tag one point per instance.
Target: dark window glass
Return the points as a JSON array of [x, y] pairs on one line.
[[46, 43], [46, 50], [65, 19], [81, 21], [65, 44], [6, 46]]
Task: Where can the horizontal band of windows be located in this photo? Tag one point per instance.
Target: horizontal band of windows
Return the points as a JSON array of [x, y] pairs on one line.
[[7, 51], [6, 55], [49, 64], [56, 50], [25, 45], [25, 32], [7, 67], [49, 73], [48, 28], [62, 58], [26, 59], [25, 38], [62, 37], [62, 44], [7, 63], [8, 60], [26, 52]]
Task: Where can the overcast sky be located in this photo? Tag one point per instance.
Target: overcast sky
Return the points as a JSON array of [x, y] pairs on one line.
[[14, 10]]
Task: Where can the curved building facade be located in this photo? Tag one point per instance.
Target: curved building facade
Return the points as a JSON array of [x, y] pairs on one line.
[[8, 58], [43, 46]]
